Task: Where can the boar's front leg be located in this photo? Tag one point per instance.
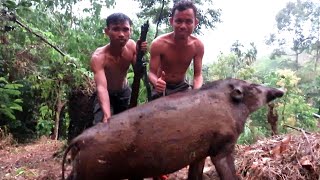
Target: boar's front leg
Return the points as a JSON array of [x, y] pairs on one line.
[[196, 170], [224, 164]]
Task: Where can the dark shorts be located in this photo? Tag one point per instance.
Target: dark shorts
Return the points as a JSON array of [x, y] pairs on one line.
[[171, 89], [119, 102]]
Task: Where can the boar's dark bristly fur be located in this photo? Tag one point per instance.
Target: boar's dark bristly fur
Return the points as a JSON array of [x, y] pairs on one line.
[[167, 134]]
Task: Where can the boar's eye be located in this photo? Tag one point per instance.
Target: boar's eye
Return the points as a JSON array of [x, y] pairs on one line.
[[231, 86], [237, 94]]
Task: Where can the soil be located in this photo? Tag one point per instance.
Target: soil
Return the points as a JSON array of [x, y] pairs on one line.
[[287, 156], [41, 160], [36, 160]]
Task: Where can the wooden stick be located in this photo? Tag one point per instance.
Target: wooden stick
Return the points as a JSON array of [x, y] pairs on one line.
[[298, 129], [12, 17]]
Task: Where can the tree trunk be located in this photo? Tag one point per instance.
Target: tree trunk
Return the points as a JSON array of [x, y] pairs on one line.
[[59, 106], [273, 118], [284, 108], [317, 55], [80, 107], [297, 61]]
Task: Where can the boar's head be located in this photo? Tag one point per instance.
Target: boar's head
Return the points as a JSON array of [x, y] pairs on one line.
[[252, 95], [241, 92]]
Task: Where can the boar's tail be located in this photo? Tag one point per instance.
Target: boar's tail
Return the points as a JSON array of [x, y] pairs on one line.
[[71, 145]]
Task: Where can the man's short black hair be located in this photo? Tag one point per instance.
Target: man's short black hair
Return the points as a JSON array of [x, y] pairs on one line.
[[117, 18], [184, 5]]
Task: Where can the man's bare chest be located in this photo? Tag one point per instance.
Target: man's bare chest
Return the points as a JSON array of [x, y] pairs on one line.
[[178, 55], [117, 65]]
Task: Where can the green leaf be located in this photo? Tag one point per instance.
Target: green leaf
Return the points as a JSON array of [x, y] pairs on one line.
[[11, 92], [2, 79], [10, 4], [18, 101], [50, 3], [7, 113], [20, 171], [13, 86], [60, 76], [15, 106], [25, 4], [22, 9]]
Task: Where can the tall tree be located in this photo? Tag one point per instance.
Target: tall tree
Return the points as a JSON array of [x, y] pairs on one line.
[[294, 23], [236, 49], [245, 57], [50, 75], [250, 55], [55, 80], [315, 19], [159, 11]]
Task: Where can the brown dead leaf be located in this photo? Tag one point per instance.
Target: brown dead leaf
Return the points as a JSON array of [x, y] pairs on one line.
[[280, 147], [306, 163], [252, 151], [275, 152], [285, 143]]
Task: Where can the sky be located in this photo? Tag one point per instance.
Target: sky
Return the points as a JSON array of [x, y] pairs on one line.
[[243, 20]]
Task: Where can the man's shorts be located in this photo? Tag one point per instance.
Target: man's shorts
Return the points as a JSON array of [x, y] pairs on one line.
[[119, 102], [171, 89]]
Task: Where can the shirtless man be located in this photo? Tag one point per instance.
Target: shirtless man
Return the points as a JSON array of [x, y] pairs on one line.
[[110, 64], [172, 53]]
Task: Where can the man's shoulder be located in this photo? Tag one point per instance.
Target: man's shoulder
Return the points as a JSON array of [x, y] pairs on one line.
[[131, 42], [165, 37], [99, 52], [161, 40], [196, 41]]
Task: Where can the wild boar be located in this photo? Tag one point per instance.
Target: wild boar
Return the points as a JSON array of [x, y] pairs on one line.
[[167, 134]]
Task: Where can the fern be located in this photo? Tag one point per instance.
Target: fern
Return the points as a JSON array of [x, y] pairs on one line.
[[9, 98]]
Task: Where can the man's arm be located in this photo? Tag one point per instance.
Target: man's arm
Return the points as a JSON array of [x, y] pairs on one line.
[[100, 79], [158, 83], [143, 47], [197, 66]]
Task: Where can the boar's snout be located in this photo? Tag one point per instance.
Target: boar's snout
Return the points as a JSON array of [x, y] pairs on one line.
[[274, 93]]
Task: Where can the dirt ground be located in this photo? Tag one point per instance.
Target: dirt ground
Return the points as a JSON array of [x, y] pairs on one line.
[[290, 156], [42, 159], [31, 161]]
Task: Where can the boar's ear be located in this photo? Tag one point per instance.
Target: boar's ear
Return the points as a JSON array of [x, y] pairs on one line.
[[236, 94]]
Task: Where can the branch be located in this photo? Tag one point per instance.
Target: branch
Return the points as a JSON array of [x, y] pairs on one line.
[[316, 115], [12, 17], [298, 129], [305, 135], [159, 19]]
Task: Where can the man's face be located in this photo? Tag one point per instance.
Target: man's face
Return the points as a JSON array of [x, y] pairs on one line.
[[183, 23], [119, 34]]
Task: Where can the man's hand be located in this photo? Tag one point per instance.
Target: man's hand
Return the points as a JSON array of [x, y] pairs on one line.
[[105, 118], [143, 46], [161, 84]]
